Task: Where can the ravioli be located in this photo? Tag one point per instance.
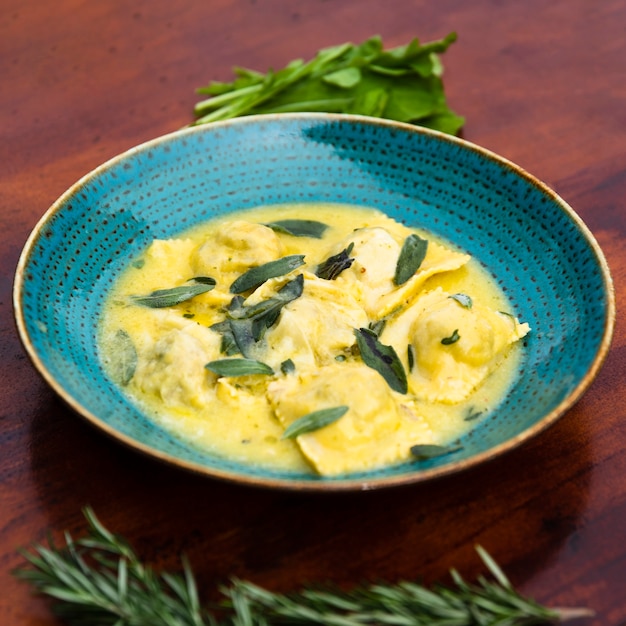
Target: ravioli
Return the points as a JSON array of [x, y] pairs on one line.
[[172, 367], [378, 429], [435, 355], [317, 327], [371, 276], [455, 344]]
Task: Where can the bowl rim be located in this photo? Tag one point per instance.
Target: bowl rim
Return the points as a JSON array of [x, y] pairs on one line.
[[323, 484]]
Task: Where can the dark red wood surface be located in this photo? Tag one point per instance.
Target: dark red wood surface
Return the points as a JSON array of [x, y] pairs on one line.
[[541, 83]]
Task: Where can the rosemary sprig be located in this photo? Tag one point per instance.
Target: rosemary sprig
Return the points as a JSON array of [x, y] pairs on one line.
[[99, 579]]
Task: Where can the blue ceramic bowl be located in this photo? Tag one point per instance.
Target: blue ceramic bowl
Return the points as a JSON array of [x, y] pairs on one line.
[[530, 240]]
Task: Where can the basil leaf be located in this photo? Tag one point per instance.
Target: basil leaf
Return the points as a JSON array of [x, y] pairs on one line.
[[313, 421], [334, 265], [125, 363], [381, 358], [299, 228], [453, 338], [162, 298], [463, 299], [256, 276], [411, 256], [431, 451], [238, 367]]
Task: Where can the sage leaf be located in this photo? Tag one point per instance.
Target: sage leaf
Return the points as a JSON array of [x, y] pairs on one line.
[[453, 338], [125, 363], [204, 280], [381, 358], [299, 228], [238, 367], [411, 356], [472, 414], [287, 367], [313, 421], [245, 326], [256, 276], [246, 333], [423, 452], [270, 308], [334, 265], [237, 337], [411, 256], [162, 298], [378, 326], [463, 299], [228, 345]]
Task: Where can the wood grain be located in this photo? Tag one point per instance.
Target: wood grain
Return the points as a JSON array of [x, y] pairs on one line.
[[543, 84]]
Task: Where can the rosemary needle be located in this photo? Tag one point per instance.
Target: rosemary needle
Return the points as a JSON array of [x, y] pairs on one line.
[[99, 579]]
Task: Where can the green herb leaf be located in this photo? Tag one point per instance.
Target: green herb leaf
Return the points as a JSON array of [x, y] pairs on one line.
[[287, 367], [472, 414], [204, 280], [411, 256], [256, 276], [270, 308], [381, 358], [402, 83], [245, 326], [313, 421], [334, 265], [453, 338], [345, 78], [162, 298], [378, 326], [430, 451], [411, 356], [125, 354], [238, 367], [463, 299], [299, 228]]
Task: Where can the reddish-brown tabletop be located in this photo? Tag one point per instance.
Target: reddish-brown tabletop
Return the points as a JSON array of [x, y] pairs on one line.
[[541, 83]]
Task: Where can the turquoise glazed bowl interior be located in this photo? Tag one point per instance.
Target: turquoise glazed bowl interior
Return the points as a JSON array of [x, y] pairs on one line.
[[528, 238]]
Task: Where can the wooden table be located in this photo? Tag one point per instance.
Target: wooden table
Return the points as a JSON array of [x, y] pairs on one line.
[[542, 83]]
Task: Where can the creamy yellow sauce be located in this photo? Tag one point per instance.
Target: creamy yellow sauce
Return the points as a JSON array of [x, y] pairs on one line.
[[244, 418]]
